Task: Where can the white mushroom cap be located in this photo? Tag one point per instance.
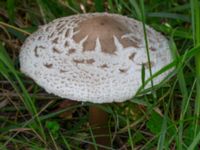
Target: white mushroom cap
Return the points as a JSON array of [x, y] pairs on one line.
[[94, 57]]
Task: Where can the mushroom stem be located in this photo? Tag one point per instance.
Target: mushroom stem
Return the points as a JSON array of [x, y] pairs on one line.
[[98, 120]]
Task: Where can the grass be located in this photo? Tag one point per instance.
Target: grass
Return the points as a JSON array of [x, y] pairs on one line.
[[32, 119]]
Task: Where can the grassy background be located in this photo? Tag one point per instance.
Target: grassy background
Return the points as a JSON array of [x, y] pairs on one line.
[[31, 119]]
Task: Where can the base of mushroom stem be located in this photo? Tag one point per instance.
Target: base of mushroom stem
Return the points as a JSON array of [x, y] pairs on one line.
[[98, 120]]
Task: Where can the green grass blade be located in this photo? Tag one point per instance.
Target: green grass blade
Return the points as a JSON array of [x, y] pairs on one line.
[[184, 92], [177, 62], [195, 142], [94, 144], [99, 5], [195, 10], [65, 142], [170, 16], [130, 138], [111, 6], [145, 38], [136, 8], [49, 13], [165, 127], [6, 61], [11, 10]]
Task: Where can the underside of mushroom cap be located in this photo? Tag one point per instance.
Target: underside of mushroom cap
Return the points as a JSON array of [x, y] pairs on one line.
[[96, 57]]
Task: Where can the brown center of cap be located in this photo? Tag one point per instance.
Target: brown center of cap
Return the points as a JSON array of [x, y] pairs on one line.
[[104, 28]]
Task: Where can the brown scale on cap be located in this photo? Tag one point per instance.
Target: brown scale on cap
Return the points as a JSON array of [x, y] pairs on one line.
[[42, 47], [123, 70], [40, 37], [63, 71], [36, 52], [55, 41], [67, 33], [152, 49], [47, 28], [78, 61], [71, 51], [66, 44], [104, 66], [83, 61], [89, 61], [146, 65], [47, 65], [131, 57], [104, 28], [55, 50]]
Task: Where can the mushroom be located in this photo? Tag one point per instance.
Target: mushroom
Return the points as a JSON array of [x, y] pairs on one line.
[[94, 57]]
